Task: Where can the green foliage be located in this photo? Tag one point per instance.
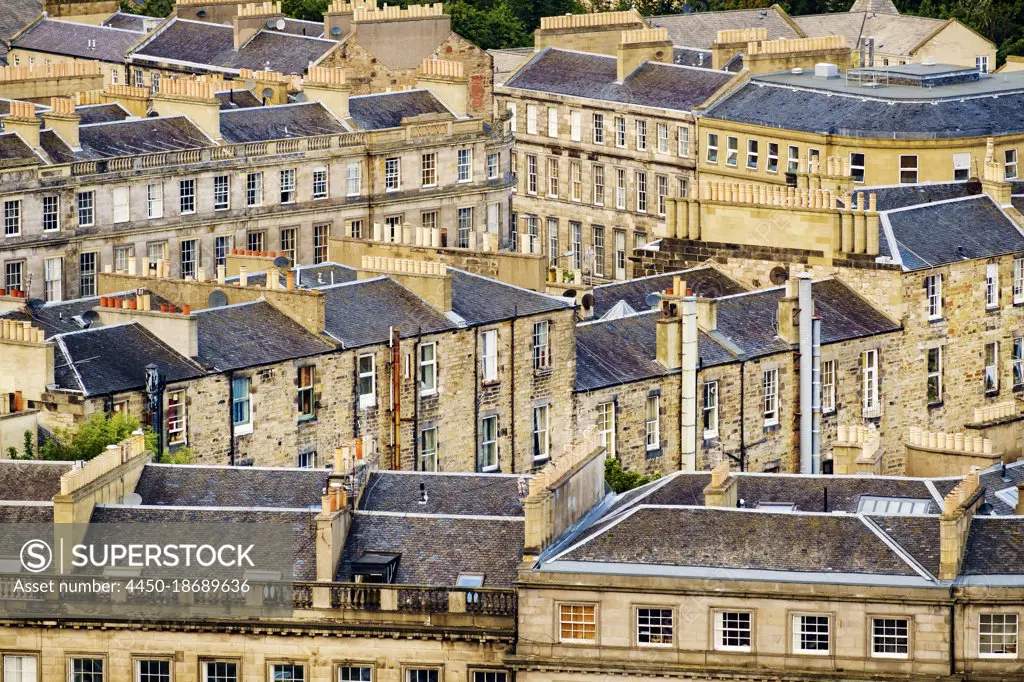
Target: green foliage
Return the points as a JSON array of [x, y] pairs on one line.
[[12, 453], [620, 480], [495, 26], [28, 448], [89, 439], [152, 8], [309, 10], [179, 456]]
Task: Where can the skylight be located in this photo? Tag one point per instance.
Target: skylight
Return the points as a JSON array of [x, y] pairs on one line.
[[870, 504]]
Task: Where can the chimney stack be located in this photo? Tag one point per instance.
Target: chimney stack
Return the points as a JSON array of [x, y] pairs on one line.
[[722, 491], [252, 18], [958, 510], [22, 121], [641, 45], [195, 99], [1019, 510], [338, 17], [707, 314], [328, 86], [63, 120], [788, 311], [446, 79]]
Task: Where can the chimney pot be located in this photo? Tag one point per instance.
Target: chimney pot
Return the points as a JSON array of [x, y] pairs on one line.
[[186, 310]]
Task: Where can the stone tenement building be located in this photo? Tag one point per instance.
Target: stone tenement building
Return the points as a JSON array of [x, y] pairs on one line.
[[412, 577], [429, 368], [89, 187]]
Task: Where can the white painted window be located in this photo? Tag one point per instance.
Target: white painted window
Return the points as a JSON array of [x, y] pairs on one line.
[[1018, 361], [772, 166], [683, 141], [620, 254], [641, 192], [732, 151], [661, 194], [962, 166], [598, 241], [428, 449], [351, 673], [991, 286], [254, 189], [908, 168], [493, 217], [652, 423], [812, 635], [321, 184], [177, 419], [857, 165], [598, 173], [154, 201], [489, 355], [14, 275], [828, 386], [641, 135], [935, 375], [575, 125], [367, 381], [541, 345], [997, 635], [392, 174], [20, 668], [241, 412], [553, 177], [464, 160], [606, 426], [890, 637], [576, 244], [1010, 164], [732, 630], [620, 131], [464, 225], [221, 193], [662, 133], [991, 375], [771, 397], [119, 197], [421, 675], [510, 107], [86, 204], [493, 166], [553, 253], [189, 252], [654, 627], [793, 159], [712, 148], [933, 296], [187, 196], [575, 181], [428, 369], [353, 179], [51, 213], [219, 671], [869, 377], [981, 63], [87, 669], [489, 443], [88, 266], [531, 119], [53, 280], [306, 397], [752, 154], [531, 174], [321, 239], [598, 123], [541, 432], [710, 410], [288, 237], [552, 121], [428, 169]]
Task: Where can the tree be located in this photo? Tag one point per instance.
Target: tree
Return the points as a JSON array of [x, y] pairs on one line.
[[620, 480], [90, 438], [152, 8], [496, 26], [28, 449], [308, 10]]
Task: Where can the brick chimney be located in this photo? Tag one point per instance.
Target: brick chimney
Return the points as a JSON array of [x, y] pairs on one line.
[[63, 120], [22, 121], [190, 98], [641, 45], [251, 18], [722, 491], [958, 510], [448, 83], [427, 279], [328, 86]]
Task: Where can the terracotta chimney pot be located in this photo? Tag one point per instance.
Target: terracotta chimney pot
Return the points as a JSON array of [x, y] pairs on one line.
[[186, 310]]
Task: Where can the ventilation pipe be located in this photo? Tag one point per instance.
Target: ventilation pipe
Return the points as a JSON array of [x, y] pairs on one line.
[[688, 408], [816, 395], [805, 313]]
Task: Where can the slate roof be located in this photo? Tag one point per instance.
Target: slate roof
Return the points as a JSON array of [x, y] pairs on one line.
[[624, 350], [742, 539], [652, 84], [107, 360], [901, 196], [73, 40], [361, 313], [481, 300], [126, 138], [209, 486], [869, 114], [918, 535], [691, 56], [278, 122], [23, 513], [386, 110], [704, 281], [251, 334], [461, 494], [299, 27], [238, 99], [31, 481], [302, 551], [700, 29], [995, 479], [324, 274], [994, 546], [15, 152], [57, 317], [893, 34], [948, 232], [127, 21], [14, 16], [101, 113], [506, 61], [212, 45], [436, 549]]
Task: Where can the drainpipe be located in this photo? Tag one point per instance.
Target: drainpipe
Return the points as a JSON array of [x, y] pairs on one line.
[[816, 395], [688, 402], [231, 418], [805, 314]]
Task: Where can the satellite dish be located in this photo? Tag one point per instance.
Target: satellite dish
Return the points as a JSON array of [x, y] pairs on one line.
[[201, 13], [279, 24], [778, 275], [132, 500], [91, 317], [299, 97], [271, 23], [652, 300], [35, 303], [569, 293], [335, 30], [281, 262], [588, 301], [217, 299], [268, 93]]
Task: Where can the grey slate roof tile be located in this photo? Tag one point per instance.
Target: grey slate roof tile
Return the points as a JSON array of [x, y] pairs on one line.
[[101, 113], [15, 152], [361, 313], [210, 44], [238, 99], [129, 22], [58, 317], [737, 539], [652, 84], [386, 110], [902, 196], [314, 276], [72, 39], [127, 138], [436, 549], [995, 546], [202, 486], [700, 29], [31, 481], [480, 495], [107, 360], [937, 234], [918, 535], [14, 16], [481, 300], [252, 334], [704, 282], [285, 121], [15, 513]]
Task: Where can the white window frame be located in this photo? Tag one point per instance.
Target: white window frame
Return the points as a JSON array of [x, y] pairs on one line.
[[598, 124], [897, 639], [120, 197], [933, 296], [464, 165], [792, 159], [578, 616], [620, 254], [428, 369], [620, 132], [683, 141], [367, 400], [657, 625], [1010, 163], [531, 174], [753, 154], [208, 677], [871, 400], [177, 418], [933, 375], [354, 179], [575, 125], [829, 374], [12, 218], [981, 63], [990, 374], [321, 183], [709, 409], [988, 629], [53, 278], [254, 189], [711, 148], [154, 201], [541, 345], [857, 168], [85, 204], [801, 630], [575, 181], [187, 199], [553, 122], [772, 159], [51, 213], [531, 119], [732, 151], [489, 355], [221, 192], [541, 432], [641, 191], [724, 625], [493, 165], [1017, 358], [598, 172], [489, 443], [991, 286], [237, 400], [661, 131], [961, 166], [640, 129], [92, 676], [26, 670], [428, 449], [606, 426], [652, 426], [553, 177], [392, 174], [770, 388]]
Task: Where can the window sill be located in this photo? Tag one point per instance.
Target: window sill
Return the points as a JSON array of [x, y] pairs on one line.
[[308, 419], [992, 393], [429, 394], [652, 454], [936, 320], [489, 383], [542, 372], [771, 425], [936, 405], [489, 470], [367, 405], [710, 435], [812, 653], [243, 429]]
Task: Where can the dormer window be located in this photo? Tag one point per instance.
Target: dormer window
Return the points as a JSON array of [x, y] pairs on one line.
[[376, 567]]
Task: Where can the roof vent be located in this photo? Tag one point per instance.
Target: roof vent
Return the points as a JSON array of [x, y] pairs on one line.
[[826, 70], [797, 70]]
